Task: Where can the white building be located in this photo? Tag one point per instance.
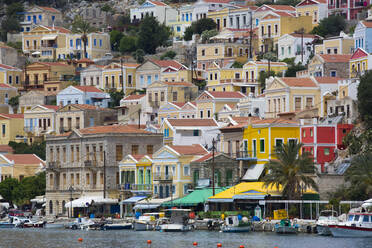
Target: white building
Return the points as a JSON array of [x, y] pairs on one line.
[[83, 95], [202, 7], [252, 106], [92, 75], [161, 11], [291, 46]]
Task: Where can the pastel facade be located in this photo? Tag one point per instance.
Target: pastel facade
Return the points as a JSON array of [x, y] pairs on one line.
[[12, 128], [350, 9], [360, 62], [92, 76], [342, 44], [161, 11], [132, 110], [266, 8], [183, 21], [19, 166], [40, 15], [329, 65], [116, 76], [83, 95], [317, 9], [11, 76], [177, 110], [39, 121], [363, 35], [6, 93]]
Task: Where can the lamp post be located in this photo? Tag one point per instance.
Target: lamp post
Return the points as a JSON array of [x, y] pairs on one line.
[[70, 189]]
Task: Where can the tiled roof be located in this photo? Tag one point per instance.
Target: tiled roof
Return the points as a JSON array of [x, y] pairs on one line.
[[85, 60], [88, 89], [166, 63], [368, 24], [328, 80], [271, 63], [134, 97], [52, 63], [8, 67], [281, 7], [335, 58], [59, 29], [298, 82], [24, 158], [190, 150], [205, 157], [12, 116], [7, 86], [226, 94], [157, 3], [49, 9], [6, 148], [87, 106], [179, 84], [138, 156], [179, 104], [192, 122], [51, 107], [274, 121], [113, 129], [282, 13]]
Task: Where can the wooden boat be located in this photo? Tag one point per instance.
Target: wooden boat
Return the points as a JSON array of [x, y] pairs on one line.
[[233, 224], [149, 222], [119, 226], [285, 227]]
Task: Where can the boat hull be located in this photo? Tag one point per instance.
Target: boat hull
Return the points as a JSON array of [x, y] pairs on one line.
[[143, 226], [323, 230], [54, 226], [235, 229], [117, 227], [174, 228], [350, 231], [7, 225], [285, 230]]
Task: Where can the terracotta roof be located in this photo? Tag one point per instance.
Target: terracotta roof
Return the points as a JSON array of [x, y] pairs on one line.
[[88, 89], [59, 29], [49, 9], [328, 80], [282, 13], [281, 7], [87, 106], [113, 129], [367, 24], [179, 104], [137, 156], [7, 86], [133, 97], [195, 149], [179, 84], [192, 122], [157, 3], [312, 36], [166, 63], [274, 121], [8, 67], [85, 60], [335, 58], [12, 116], [6, 148], [271, 63], [51, 107], [24, 158], [298, 82], [205, 157], [52, 63], [226, 94]]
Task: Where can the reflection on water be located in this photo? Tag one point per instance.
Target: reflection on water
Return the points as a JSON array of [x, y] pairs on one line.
[[45, 238]]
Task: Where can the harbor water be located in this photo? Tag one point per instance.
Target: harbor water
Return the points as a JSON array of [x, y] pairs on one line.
[[49, 238]]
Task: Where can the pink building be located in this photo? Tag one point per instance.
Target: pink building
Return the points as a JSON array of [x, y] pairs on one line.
[[348, 8]]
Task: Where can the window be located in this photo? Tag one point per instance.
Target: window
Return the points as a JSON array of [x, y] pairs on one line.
[[297, 103], [326, 151], [201, 114], [135, 149], [162, 96], [3, 129], [278, 142], [309, 102], [100, 43], [216, 51], [334, 73], [203, 52], [276, 28], [196, 133], [311, 132], [175, 96], [304, 133], [186, 170], [365, 218], [209, 113], [119, 152], [185, 189], [291, 141], [150, 149], [95, 42], [282, 48], [262, 145]]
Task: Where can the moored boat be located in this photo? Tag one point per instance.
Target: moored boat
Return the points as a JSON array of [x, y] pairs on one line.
[[149, 222], [234, 224], [179, 221], [358, 225], [325, 219], [117, 226], [54, 225], [285, 227], [7, 225]]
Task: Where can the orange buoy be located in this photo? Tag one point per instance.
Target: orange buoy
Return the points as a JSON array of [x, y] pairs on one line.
[[149, 242], [80, 239], [241, 246], [195, 244], [219, 245]]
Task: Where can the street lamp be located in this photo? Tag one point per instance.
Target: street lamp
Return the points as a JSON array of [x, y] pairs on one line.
[[70, 189]]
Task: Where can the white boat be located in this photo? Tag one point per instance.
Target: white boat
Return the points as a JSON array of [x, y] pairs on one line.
[[179, 221], [233, 224], [358, 224], [54, 225], [285, 227], [325, 219]]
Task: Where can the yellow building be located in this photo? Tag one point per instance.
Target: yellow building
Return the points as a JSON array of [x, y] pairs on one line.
[[171, 169], [360, 62], [39, 72], [220, 17], [177, 110], [317, 9], [6, 93], [288, 94], [184, 20], [209, 103], [113, 74], [19, 166], [342, 44], [11, 76], [172, 74], [12, 128], [275, 24]]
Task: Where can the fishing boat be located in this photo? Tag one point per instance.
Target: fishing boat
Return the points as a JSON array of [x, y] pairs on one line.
[[234, 224], [357, 225], [285, 227], [326, 218], [118, 226], [179, 221], [54, 225], [149, 222]]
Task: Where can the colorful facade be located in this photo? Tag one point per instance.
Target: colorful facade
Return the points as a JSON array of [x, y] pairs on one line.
[[360, 62], [11, 76], [116, 75], [12, 128], [317, 9]]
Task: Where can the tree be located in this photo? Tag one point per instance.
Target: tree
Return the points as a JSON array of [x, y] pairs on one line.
[[152, 34], [24, 148], [115, 37], [138, 55], [364, 98], [291, 170], [107, 8], [115, 96], [14, 9], [207, 34], [14, 101], [359, 173], [128, 44], [199, 27], [6, 189], [189, 31], [237, 64], [80, 26], [168, 55], [263, 75], [330, 26]]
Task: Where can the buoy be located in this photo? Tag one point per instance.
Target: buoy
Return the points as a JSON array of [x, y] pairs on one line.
[[80, 239], [149, 242], [241, 246], [195, 244], [219, 245]]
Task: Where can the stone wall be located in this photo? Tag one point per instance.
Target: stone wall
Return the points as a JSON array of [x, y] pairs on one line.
[[329, 183]]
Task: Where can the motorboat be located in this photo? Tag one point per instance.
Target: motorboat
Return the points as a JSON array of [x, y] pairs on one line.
[[5, 224], [179, 221], [117, 226], [54, 225], [358, 224], [236, 224], [149, 222], [326, 218], [285, 227]]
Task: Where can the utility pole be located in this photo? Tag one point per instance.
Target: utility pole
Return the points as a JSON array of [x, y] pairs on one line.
[[122, 76], [213, 147], [302, 46], [104, 174], [139, 119]]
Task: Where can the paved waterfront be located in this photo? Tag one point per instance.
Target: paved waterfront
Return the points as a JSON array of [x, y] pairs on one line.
[[43, 238]]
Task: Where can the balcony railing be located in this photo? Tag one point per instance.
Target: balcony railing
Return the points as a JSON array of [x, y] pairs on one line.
[[53, 165], [136, 187], [90, 163], [246, 155], [155, 104], [163, 177]]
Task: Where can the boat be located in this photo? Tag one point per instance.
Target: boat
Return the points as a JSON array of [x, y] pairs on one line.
[[285, 227], [358, 224], [5, 224], [30, 224], [179, 221], [326, 218], [54, 225], [149, 222], [118, 226], [234, 224]]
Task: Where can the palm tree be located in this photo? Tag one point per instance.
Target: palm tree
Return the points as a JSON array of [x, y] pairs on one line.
[[80, 26], [291, 170], [360, 172]]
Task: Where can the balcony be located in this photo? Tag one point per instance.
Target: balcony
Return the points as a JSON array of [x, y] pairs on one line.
[[163, 177], [90, 164], [155, 104], [136, 187], [53, 165], [246, 155]]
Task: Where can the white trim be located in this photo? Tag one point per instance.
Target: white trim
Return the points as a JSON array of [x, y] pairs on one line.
[[252, 147], [282, 139], [264, 145]]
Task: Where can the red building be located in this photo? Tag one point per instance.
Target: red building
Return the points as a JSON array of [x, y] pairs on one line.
[[322, 138], [348, 8]]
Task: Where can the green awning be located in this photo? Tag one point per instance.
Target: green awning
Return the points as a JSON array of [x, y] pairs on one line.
[[194, 198]]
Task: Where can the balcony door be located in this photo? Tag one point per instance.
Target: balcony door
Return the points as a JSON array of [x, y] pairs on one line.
[[254, 148]]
